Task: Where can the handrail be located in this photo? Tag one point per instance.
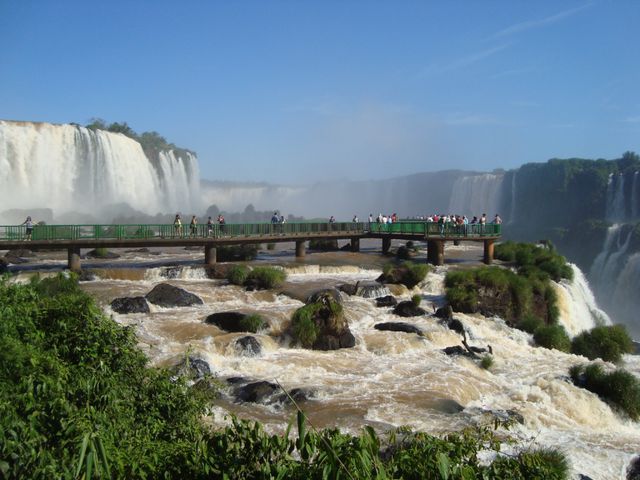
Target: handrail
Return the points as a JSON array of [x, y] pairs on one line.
[[244, 230]]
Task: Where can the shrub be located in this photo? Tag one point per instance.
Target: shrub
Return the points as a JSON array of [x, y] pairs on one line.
[[620, 388], [486, 362], [530, 323], [417, 300], [238, 274], [544, 463], [266, 277], [414, 273], [535, 260], [606, 342], [553, 336], [303, 326], [252, 323]]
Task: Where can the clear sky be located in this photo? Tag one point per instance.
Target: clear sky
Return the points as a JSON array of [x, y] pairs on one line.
[[299, 91]]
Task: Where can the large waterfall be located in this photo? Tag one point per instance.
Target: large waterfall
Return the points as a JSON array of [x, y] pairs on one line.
[[623, 197], [70, 168], [477, 194]]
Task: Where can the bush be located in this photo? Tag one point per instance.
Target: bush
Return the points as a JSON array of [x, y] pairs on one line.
[[606, 342], [408, 273], [544, 463], [238, 274], [486, 362], [620, 388], [553, 336], [266, 277], [303, 326], [530, 323], [417, 300], [252, 323], [535, 260]]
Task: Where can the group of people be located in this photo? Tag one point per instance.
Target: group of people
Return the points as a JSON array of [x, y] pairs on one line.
[[193, 225]]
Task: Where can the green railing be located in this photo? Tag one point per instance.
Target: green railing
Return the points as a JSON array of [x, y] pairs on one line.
[[241, 230]]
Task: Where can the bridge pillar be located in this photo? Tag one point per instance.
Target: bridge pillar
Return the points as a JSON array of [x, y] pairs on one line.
[[386, 245], [355, 244], [210, 255], [300, 248], [73, 256], [488, 251], [435, 252]]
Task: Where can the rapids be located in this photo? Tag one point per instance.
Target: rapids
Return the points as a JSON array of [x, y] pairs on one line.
[[389, 378]]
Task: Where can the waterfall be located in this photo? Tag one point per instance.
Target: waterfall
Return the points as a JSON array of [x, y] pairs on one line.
[[512, 214], [476, 194], [71, 168], [634, 197], [578, 308], [615, 199]]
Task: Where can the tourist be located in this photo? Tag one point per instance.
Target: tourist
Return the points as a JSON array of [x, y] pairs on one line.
[[29, 224], [177, 225], [209, 227], [355, 219], [497, 220], [221, 222], [370, 220], [193, 226]]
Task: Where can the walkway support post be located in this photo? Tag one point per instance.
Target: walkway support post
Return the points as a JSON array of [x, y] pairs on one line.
[[488, 251], [355, 244], [210, 255], [73, 259], [435, 252], [300, 249], [386, 245]]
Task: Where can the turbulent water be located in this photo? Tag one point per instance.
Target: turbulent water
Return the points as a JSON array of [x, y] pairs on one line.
[[389, 378], [475, 194], [70, 168]]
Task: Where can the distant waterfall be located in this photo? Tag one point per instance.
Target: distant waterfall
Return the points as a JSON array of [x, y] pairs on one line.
[[476, 194], [615, 276], [512, 214], [615, 199], [70, 168], [635, 208]]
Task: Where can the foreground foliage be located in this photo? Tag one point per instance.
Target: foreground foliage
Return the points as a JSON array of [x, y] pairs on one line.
[[78, 401], [620, 388]]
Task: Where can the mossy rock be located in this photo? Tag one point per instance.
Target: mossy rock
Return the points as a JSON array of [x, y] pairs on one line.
[[408, 274], [321, 325]]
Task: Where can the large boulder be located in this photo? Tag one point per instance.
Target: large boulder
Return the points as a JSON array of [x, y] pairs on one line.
[[166, 295], [249, 346], [408, 309], [332, 293], [444, 312], [193, 368], [130, 305], [348, 288], [386, 301], [457, 350], [633, 470], [256, 392], [398, 327], [321, 324], [97, 253], [20, 253]]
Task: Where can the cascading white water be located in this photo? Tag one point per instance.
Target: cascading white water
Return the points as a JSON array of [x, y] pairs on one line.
[[71, 168], [578, 308], [476, 194], [610, 260], [635, 196], [615, 211], [512, 214]]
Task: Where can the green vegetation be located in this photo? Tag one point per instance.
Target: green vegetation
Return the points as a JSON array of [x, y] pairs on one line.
[[238, 274], [552, 336], [538, 261], [530, 323], [152, 142], [252, 323], [544, 463], [606, 342], [416, 299], [620, 388], [408, 273], [101, 252], [258, 277], [78, 401], [303, 326], [486, 362]]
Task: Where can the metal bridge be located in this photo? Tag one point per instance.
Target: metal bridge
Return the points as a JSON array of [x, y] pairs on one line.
[[75, 237]]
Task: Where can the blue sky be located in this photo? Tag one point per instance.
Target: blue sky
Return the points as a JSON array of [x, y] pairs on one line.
[[300, 91]]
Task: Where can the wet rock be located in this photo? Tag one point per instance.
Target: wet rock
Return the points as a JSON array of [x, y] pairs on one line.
[[348, 288], [297, 394], [86, 276], [447, 405], [171, 272], [101, 254], [229, 321], [369, 289], [386, 301], [4, 265], [20, 253], [586, 477], [256, 392], [130, 305], [208, 385], [633, 470], [138, 250], [444, 312], [334, 342], [237, 380], [193, 368], [457, 350], [333, 293], [10, 259], [166, 295], [455, 325], [249, 346], [408, 309], [636, 347], [398, 327]]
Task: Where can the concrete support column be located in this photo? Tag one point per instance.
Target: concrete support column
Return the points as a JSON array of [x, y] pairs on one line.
[[488, 251], [300, 248], [355, 244], [210, 255], [73, 257], [435, 252], [386, 245]]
